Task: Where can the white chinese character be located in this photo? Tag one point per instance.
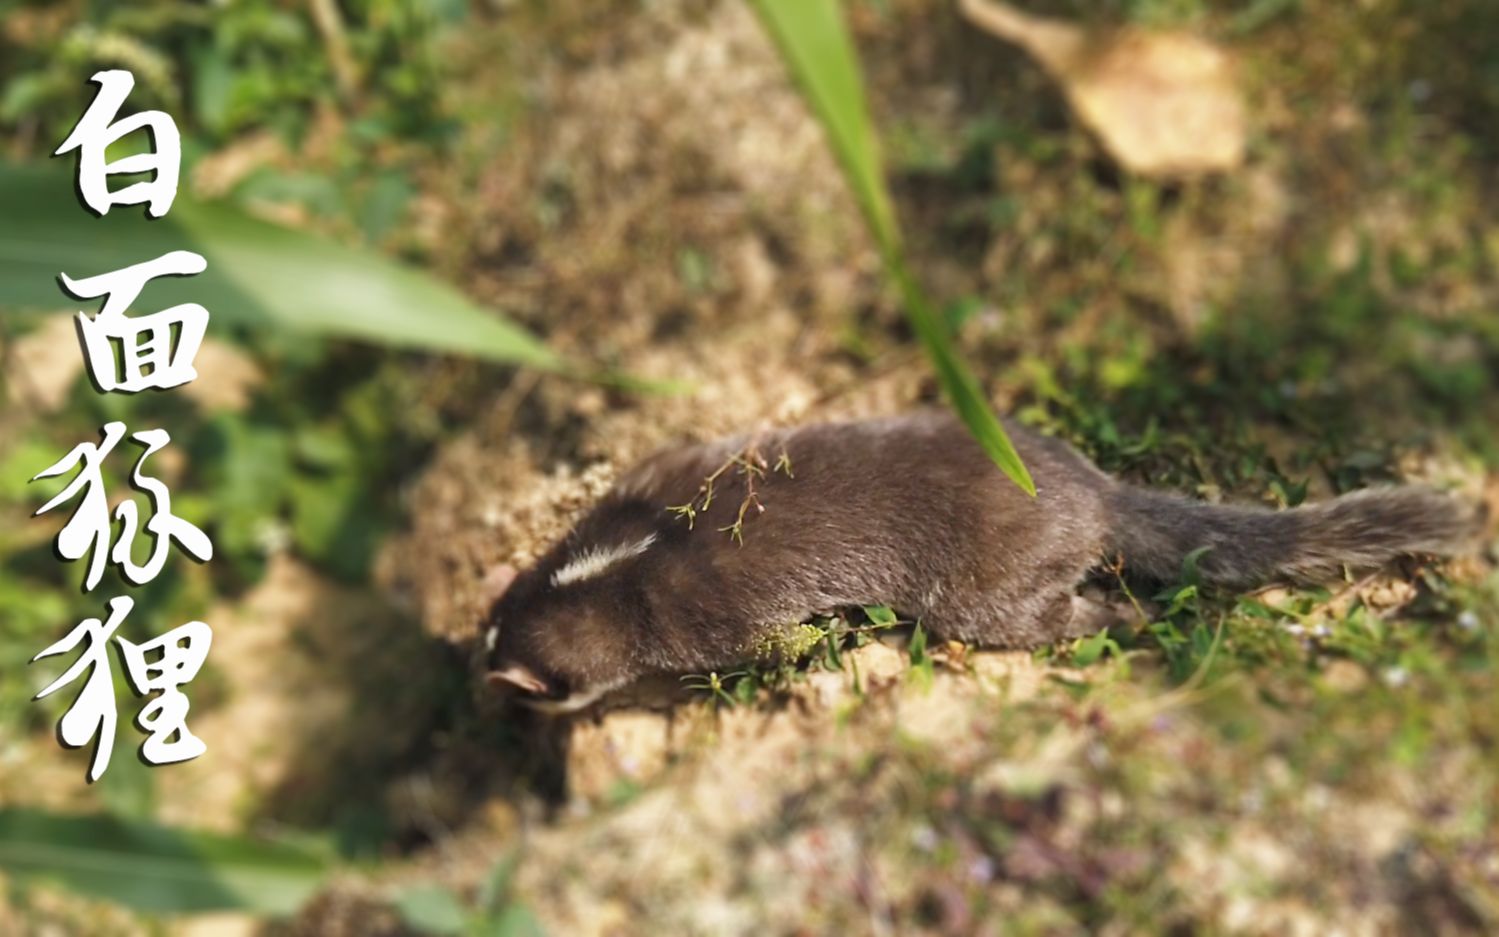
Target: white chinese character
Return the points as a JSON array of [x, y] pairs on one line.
[[97, 129], [93, 712], [147, 355], [88, 530], [183, 650]]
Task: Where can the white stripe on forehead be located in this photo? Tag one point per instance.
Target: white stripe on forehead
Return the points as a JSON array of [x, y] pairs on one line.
[[595, 560]]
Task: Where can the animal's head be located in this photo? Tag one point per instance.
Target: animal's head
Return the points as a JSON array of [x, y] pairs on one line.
[[558, 635]]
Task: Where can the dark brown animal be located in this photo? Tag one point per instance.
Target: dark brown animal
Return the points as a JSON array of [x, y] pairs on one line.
[[907, 512]]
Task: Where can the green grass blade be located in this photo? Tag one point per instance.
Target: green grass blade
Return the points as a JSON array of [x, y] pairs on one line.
[[259, 275], [816, 47], [962, 388], [156, 868], [815, 44]]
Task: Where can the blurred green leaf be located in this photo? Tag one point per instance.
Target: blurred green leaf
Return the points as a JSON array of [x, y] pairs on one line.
[[1191, 564], [312, 191], [324, 448], [155, 868], [432, 909], [744, 690], [259, 275], [333, 524], [958, 312], [384, 206], [1090, 650], [247, 468], [493, 895], [212, 85], [20, 462], [513, 921], [23, 95], [814, 42]]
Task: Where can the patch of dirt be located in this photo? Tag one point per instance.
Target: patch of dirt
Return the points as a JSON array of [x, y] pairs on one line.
[[45, 363], [677, 811], [745, 749]]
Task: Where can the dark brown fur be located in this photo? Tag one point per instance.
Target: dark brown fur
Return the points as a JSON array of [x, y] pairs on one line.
[[908, 512]]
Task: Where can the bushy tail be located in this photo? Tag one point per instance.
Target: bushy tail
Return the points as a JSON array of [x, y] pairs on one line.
[[1155, 532]]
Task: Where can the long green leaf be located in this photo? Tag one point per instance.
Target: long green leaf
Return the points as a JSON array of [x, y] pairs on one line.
[[816, 47], [156, 868], [259, 275], [815, 44]]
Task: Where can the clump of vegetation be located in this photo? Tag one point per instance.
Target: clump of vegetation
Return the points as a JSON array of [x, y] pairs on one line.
[[791, 642], [781, 655]]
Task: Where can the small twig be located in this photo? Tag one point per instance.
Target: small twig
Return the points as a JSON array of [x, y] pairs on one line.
[[750, 468], [783, 464], [753, 467], [1117, 568]]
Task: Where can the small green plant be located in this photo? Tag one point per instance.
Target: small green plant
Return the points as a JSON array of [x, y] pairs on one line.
[[840, 634], [718, 686], [921, 659], [789, 643], [782, 654], [237, 67], [1180, 631], [1090, 650]]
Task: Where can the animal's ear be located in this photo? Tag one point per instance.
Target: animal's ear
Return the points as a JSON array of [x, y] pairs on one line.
[[517, 675], [496, 581]]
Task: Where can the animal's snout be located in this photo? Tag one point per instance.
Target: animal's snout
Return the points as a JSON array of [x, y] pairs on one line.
[[513, 675]]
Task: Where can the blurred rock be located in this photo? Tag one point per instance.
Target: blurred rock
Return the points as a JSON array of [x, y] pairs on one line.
[[1163, 104], [44, 363], [227, 377]]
